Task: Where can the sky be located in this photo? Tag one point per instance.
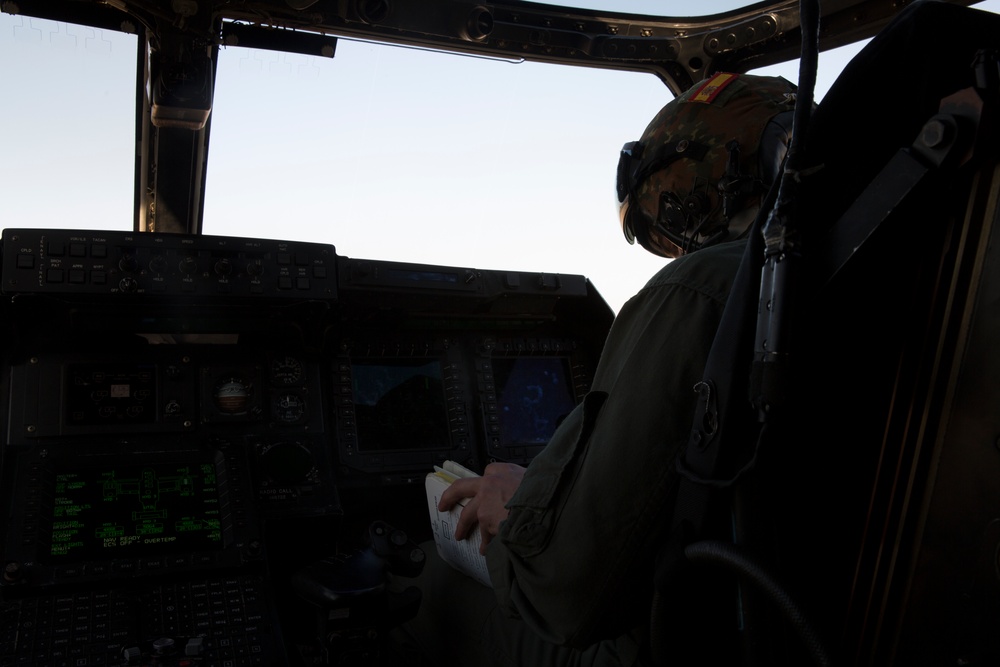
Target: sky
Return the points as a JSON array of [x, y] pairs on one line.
[[386, 152]]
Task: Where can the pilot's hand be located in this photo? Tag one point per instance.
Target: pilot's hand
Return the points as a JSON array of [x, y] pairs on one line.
[[488, 499]]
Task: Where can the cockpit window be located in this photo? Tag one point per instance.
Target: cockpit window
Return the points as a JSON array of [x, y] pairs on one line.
[[68, 158], [410, 155], [386, 152]]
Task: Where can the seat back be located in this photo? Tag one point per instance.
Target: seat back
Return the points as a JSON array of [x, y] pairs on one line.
[[873, 497]]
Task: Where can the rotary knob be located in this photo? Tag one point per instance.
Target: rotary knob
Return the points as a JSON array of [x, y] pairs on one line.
[[188, 265], [158, 264], [128, 263]]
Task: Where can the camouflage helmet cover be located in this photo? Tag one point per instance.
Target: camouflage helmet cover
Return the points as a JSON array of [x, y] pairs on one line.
[[709, 115]]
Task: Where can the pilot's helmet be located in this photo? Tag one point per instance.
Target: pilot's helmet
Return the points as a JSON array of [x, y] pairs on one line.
[[697, 175]]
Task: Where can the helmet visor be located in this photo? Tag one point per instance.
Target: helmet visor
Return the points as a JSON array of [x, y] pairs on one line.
[[653, 239], [628, 165]]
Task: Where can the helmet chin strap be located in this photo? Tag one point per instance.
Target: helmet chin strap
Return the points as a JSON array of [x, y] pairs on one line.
[[682, 221], [687, 241], [736, 227]]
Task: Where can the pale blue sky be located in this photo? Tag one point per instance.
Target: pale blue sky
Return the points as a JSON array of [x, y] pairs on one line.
[[385, 152]]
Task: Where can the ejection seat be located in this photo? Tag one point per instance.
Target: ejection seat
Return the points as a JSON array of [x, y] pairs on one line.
[[854, 498]]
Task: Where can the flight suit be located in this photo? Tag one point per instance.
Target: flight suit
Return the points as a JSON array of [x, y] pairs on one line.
[[573, 564]]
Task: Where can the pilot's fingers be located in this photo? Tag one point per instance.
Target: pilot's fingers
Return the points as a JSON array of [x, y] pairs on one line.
[[457, 491], [467, 520]]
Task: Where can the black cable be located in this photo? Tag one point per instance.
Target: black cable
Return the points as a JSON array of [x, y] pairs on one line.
[[808, 65], [779, 274], [736, 560], [776, 231]]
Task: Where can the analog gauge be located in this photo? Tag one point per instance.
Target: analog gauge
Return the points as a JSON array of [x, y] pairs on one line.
[[286, 370], [232, 395], [289, 408]]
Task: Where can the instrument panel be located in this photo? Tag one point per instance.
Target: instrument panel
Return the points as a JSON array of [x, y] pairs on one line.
[[209, 411], [297, 402]]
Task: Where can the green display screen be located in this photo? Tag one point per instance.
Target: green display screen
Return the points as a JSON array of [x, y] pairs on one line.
[[126, 511]]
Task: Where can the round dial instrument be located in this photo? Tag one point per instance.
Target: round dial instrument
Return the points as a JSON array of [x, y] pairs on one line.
[[232, 395], [286, 370], [289, 408]]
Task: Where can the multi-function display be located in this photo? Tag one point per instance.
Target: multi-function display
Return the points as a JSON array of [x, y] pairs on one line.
[[110, 511], [399, 404], [534, 395]]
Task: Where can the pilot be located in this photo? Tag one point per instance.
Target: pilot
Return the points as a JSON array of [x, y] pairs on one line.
[[571, 539]]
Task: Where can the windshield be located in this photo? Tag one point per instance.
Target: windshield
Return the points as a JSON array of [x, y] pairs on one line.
[[386, 152], [69, 125], [415, 156]]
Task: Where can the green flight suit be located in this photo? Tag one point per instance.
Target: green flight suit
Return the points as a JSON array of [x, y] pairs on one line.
[[572, 567]]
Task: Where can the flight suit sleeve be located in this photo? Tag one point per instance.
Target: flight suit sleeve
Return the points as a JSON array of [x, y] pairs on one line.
[[574, 559]]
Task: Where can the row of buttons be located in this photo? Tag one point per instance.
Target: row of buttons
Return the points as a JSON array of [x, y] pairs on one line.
[[129, 566], [79, 277], [27, 261], [127, 263], [100, 251], [57, 249]]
